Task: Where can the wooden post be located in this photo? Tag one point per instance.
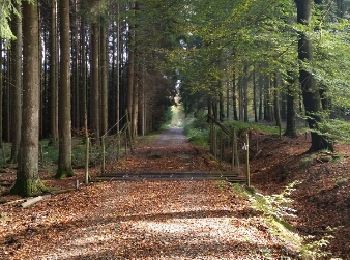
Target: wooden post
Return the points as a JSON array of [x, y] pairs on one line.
[[126, 145], [103, 154], [214, 141], [118, 145], [222, 148], [87, 155], [233, 152], [235, 145], [247, 161]]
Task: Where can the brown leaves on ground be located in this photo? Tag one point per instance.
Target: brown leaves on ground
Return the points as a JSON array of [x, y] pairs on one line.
[[144, 219], [138, 220], [322, 199]]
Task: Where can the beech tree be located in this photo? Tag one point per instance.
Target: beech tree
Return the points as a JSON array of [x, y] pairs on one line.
[[309, 88]]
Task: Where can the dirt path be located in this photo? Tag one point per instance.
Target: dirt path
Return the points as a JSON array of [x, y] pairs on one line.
[[140, 220]]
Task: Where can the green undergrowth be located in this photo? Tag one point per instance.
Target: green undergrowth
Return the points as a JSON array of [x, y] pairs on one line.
[[197, 131], [276, 210], [257, 127]]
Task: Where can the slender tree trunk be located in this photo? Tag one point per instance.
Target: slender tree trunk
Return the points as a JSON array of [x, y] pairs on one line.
[[131, 74], [16, 86], [64, 116], [117, 112], [261, 98], [245, 93], [83, 85], [95, 122], [255, 106], [103, 80], [310, 91], [234, 97], [221, 102], [276, 102], [28, 183], [1, 86], [291, 110], [53, 74], [228, 100]]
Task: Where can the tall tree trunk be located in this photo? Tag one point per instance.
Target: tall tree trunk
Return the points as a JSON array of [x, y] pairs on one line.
[[261, 97], [16, 86], [1, 86], [117, 109], [221, 102], [255, 105], [228, 100], [64, 116], [131, 74], [276, 102], [245, 93], [291, 110], [53, 74], [28, 183], [234, 97], [310, 91], [103, 80], [83, 85], [95, 122]]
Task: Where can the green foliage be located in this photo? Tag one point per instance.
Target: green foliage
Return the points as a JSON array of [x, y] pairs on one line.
[[7, 10], [196, 130], [242, 127]]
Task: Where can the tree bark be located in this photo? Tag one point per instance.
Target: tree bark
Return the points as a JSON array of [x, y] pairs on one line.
[[234, 97], [255, 106], [28, 182], [291, 111], [1, 86], [95, 122], [103, 80], [276, 102], [64, 115], [53, 74], [310, 91], [16, 86]]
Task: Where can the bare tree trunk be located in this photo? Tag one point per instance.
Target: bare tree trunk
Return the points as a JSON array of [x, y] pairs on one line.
[[245, 93], [276, 102], [131, 74], [103, 80], [53, 74], [95, 122], [234, 97], [28, 183], [291, 113], [16, 86], [64, 116], [261, 97], [83, 85], [228, 100], [255, 105], [1, 86]]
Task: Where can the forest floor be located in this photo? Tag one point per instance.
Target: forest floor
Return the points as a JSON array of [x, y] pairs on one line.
[[143, 219], [321, 200]]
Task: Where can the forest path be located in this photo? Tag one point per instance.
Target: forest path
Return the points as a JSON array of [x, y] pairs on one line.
[[140, 220], [168, 152]]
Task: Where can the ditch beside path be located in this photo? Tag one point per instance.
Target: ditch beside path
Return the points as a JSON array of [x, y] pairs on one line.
[[142, 219]]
